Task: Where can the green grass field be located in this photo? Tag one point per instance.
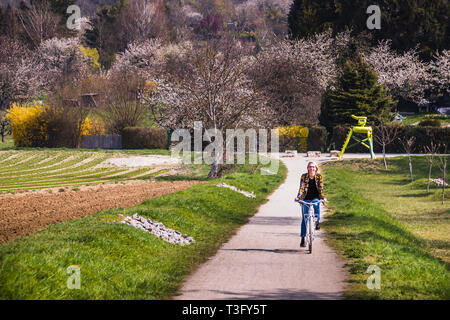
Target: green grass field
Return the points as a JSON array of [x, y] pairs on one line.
[[414, 119], [382, 218], [121, 262]]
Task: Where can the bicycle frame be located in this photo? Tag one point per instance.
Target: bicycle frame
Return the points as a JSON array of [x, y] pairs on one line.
[[310, 222]]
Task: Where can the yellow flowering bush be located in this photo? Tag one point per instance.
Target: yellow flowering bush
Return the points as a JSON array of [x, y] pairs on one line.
[[28, 125], [149, 88], [296, 132], [94, 126], [93, 55]]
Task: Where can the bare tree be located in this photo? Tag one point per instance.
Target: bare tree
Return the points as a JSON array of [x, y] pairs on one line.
[[443, 158], [39, 22], [408, 144], [66, 115], [430, 153], [123, 104], [5, 125], [384, 135]]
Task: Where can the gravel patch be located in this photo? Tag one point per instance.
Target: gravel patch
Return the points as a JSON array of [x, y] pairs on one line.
[[143, 161], [158, 229]]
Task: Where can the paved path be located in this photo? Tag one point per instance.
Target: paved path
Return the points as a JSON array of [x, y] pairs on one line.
[[264, 259]]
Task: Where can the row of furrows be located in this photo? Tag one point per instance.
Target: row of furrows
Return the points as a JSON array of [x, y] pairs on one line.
[[108, 175], [5, 156], [57, 185], [66, 173], [14, 161], [56, 161], [70, 183], [34, 164], [69, 165], [28, 161], [31, 170]]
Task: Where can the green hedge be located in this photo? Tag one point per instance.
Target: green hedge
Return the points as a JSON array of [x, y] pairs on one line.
[[144, 138], [423, 136], [430, 123], [317, 139]]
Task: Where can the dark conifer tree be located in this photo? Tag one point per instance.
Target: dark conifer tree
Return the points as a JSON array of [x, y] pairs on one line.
[[359, 93]]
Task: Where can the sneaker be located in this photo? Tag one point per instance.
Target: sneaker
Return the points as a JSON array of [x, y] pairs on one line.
[[317, 225], [302, 243]]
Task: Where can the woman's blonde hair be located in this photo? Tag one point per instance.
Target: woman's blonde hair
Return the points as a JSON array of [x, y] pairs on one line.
[[315, 164]]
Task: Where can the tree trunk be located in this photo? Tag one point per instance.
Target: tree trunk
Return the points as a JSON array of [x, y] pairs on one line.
[[443, 180], [429, 177], [2, 132], [216, 170], [384, 156], [410, 170]]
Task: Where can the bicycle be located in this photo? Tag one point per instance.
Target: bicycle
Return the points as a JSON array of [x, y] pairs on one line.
[[310, 221]]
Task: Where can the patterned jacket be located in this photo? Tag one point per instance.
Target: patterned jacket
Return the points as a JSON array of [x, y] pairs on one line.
[[304, 184]]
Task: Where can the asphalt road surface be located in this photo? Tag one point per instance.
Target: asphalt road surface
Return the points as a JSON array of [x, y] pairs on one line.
[[263, 260]]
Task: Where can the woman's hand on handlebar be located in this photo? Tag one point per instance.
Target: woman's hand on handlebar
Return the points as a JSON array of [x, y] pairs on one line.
[[296, 199]]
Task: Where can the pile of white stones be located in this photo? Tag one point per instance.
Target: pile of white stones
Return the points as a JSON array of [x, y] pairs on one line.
[[439, 182], [245, 193], [157, 228]]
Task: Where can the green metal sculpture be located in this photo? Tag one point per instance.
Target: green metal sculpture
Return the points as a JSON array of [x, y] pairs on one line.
[[361, 128]]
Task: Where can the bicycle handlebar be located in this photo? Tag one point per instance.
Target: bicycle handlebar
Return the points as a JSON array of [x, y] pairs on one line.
[[310, 203]]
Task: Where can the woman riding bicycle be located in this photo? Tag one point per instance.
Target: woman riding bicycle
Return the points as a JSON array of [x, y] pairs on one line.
[[311, 190]]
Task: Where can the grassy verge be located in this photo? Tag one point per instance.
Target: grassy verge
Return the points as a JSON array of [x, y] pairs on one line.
[[381, 218], [120, 262], [8, 144]]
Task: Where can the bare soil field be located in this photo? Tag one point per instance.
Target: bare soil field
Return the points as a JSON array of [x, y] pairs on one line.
[[23, 214]]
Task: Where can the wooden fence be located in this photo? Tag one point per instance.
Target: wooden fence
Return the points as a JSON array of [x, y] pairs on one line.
[[107, 141]]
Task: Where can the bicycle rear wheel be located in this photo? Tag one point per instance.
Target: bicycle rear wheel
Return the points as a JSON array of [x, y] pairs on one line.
[[310, 235]]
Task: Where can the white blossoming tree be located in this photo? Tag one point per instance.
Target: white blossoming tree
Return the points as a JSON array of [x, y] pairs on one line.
[[440, 72], [211, 84], [405, 75], [294, 74]]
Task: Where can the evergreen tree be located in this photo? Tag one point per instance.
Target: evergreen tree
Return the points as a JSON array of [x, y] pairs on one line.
[[358, 94], [104, 33], [406, 22]]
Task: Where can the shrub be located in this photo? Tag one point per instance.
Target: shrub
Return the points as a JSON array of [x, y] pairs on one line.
[[437, 116], [93, 55], [317, 139], [430, 123], [94, 126], [294, 136], [144, 138], [28, 126], [48, 126]]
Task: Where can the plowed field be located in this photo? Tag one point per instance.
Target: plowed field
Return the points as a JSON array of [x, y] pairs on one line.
[[25, 213]]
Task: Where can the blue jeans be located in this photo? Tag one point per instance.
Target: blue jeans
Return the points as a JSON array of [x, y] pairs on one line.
[[305, 214]]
